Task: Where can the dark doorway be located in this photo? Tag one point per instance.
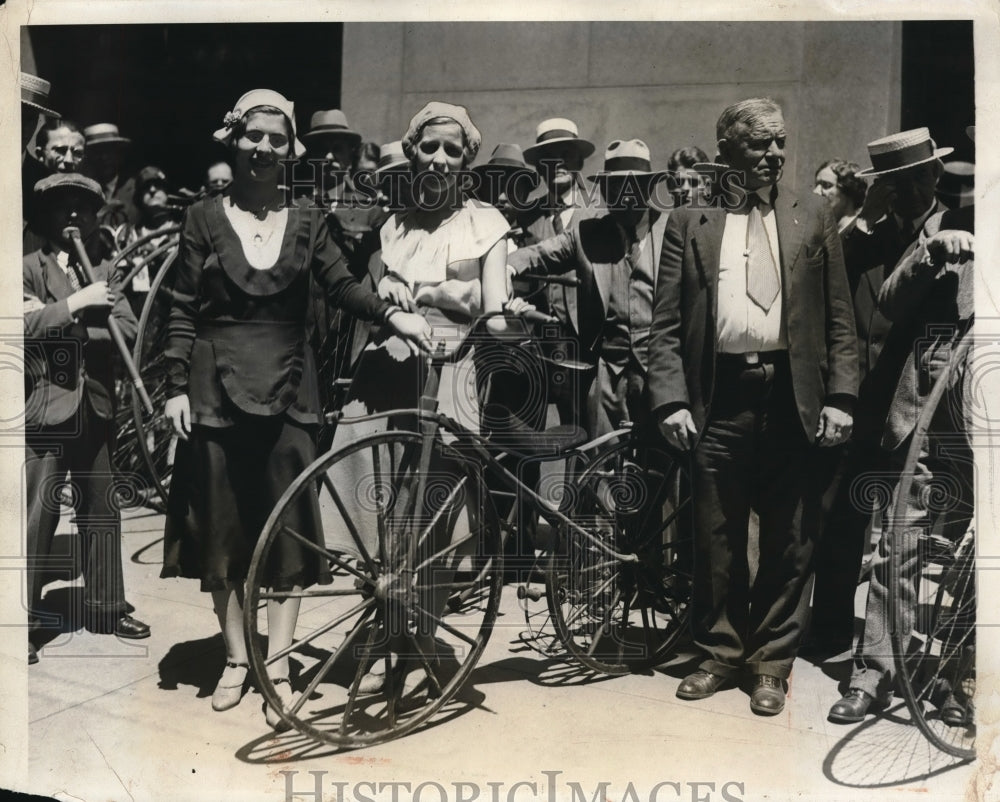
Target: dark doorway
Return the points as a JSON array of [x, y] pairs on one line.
[[167, 87], [938, 88]]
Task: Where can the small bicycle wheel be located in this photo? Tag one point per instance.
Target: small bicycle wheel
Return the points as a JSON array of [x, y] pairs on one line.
[[619, 581], [416, 566], [933, 573], [153, 442]]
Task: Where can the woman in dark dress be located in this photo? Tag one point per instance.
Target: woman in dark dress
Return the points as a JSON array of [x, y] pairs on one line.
[[243, 389]]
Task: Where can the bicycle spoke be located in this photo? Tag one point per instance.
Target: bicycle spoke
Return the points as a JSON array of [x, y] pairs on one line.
[[308, 594], [319, 631], [359, 673], [443, 624], [328, 555], [609, 614], [329, 662], [351, 528]]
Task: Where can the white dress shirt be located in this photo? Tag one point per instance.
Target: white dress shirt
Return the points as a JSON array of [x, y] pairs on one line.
[[743, 327]]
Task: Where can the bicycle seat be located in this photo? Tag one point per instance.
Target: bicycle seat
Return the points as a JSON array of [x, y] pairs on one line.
[[510, 433]]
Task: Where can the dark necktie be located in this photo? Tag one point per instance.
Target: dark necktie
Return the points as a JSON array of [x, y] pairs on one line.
[[73, 276], [557, 223], [762, 270]]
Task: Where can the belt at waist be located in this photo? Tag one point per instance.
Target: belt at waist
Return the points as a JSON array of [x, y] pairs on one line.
[[752, 358]]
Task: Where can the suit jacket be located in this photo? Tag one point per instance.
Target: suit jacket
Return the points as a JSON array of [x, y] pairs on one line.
[[66, 357], [560, 301], [822, 347], [931, 308], [870, 257], [593, 249]]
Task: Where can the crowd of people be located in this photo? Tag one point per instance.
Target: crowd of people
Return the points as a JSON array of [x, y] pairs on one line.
[[775, 339]]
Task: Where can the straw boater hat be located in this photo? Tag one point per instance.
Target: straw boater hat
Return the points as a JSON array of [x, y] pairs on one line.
[[628, 158], [35, 93], [332, 122], [251, 100], [104, 134], [555, 131], [507, 160], [391, 157], [902, 151]]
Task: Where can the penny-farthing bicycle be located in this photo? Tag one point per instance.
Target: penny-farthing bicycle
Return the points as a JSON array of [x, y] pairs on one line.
[[144, 444], [932, 567], [415, 549]]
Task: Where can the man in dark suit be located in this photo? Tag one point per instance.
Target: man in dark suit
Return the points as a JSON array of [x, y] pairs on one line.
[[559, 154], [68, 404], [615, 257], [906, 167], [929, 299], [752, 364]]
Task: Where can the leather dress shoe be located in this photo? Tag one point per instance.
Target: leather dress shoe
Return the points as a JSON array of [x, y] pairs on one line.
[[852, 707], [768, 695], [953, 712], [125, 627], [700, 685]]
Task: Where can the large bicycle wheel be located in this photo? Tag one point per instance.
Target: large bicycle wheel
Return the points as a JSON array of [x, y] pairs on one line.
[[933, 572], [416, 566], [145, 444], [619, 582]]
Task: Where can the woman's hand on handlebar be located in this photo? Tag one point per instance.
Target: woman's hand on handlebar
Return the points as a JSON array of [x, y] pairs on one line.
[[396, 291], [413, 329]]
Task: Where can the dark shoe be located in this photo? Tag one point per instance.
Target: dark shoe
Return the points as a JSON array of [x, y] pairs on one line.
[[125, 627], [32, 654], [768, 697], [953, 712], [851, 708], [700, 685]]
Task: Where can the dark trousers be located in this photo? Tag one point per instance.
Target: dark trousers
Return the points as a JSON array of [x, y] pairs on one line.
[[752, 456], [79, 446], [862, 482]]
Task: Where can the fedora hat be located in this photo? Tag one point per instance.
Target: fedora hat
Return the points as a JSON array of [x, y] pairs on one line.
[[507, 160], [104, 134], [956, 186], [902, 151], [35, 93], [331, 122], [628, 158], [391, 157], [556, 131], [251, 100]]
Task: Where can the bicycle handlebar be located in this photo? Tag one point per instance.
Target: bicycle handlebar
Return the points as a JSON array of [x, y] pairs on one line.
[[476, 332]]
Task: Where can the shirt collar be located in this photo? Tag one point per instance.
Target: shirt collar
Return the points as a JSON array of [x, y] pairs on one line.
[[918, 223]]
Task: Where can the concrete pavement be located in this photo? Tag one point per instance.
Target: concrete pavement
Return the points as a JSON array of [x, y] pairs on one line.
[[118, 720]]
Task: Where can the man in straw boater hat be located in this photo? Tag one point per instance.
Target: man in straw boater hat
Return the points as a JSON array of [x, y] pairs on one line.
[[106, 151], [558, 154], [615, 256], [34, 106], [906, 167], [752, 364], [69, 407], [928, 297]]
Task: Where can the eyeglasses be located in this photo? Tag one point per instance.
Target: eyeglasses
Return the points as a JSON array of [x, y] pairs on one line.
[[276, 141]]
